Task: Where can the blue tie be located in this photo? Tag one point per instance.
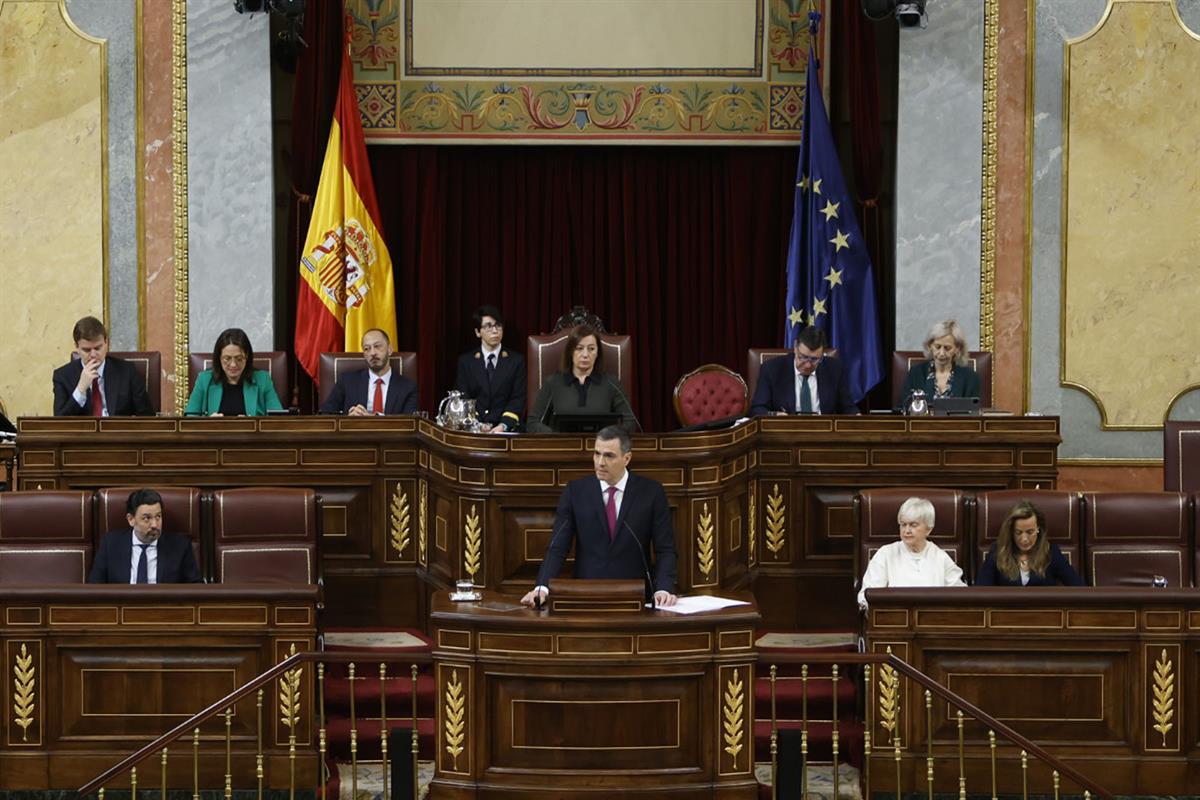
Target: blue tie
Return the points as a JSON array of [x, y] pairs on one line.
[[805, 397], [143, 572]]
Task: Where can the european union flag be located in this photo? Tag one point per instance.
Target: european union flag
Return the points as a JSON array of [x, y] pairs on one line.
[[829, 280]]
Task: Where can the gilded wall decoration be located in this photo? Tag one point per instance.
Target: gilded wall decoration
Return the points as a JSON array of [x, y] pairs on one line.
[[464, 70]]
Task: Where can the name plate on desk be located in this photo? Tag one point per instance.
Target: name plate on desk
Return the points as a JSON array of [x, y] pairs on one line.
[[568, 595]]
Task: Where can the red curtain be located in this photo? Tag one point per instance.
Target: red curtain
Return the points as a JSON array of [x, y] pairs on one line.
[[681, 247]]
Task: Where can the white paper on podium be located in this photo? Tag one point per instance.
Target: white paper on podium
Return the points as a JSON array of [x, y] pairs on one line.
[[699, 603]]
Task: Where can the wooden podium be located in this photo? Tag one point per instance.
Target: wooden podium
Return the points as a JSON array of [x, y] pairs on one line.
[[592, 703]]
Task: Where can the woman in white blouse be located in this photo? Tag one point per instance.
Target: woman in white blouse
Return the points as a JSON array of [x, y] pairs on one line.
[[914, 560]]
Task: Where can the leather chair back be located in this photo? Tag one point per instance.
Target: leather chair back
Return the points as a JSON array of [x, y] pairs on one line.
[[544, 354], [335, 365], [148, 363], [45, 537], [875, 523], [978, 360], [1181, 456], [1133, 536], [710, 392], [275, 362], [1064, 524], [755, 358], [181, 514], [266, 535]]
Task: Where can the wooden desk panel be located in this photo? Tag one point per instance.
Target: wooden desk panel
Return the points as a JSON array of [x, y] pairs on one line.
[[1100, 677], [410, 507], [110, 667]]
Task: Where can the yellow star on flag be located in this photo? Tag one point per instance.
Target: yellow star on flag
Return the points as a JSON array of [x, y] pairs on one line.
[[817, 186], [796, 317], [834, 277], [818, 309], [840, 241], [830, 210], [804, 183]]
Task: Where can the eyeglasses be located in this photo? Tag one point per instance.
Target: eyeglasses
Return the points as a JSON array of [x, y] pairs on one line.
[[231, 360], [491, 326], [810, 359]]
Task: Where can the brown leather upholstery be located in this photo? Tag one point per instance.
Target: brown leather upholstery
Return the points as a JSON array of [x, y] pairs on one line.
[[275, 362], [148, 363], [544, 354], [875, 522], [755, 358], [181, 514], [1064, 524], [45, 537], [710, 392], [47, 564], [1181, 456], [265, 535], [978, 360], [1133, 536], [335, 365]]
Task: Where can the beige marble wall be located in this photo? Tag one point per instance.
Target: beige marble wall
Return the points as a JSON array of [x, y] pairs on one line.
[[52, 190], [1131, 206]]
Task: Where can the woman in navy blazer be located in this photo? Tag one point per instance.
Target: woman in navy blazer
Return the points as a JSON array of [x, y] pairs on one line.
[[1023, 554], [233, 367]]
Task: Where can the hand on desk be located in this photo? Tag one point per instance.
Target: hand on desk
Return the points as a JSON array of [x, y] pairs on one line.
[[358, 411], [662, 598], [535, 596]]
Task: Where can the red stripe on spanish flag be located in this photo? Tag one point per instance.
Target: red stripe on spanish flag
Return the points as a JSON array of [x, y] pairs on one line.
[[346, 285]]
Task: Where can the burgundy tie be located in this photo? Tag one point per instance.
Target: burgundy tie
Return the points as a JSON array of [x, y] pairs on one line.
[[97, 399], [610, 510], [378, 401]]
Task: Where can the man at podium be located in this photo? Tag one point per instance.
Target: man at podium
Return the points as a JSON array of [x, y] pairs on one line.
[[612, 518]]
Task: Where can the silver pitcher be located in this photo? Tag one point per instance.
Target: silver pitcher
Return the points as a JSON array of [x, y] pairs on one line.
[[918, 405], [457, 412]]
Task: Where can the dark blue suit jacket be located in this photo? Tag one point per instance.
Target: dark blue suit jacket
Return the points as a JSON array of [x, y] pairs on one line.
[[351, 390], [500, 399], [176, 561], [581, 518], [1059, 570], [776, 390], [123, 386]]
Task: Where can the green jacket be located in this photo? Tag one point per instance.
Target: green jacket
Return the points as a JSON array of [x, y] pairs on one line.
[[258, 390]]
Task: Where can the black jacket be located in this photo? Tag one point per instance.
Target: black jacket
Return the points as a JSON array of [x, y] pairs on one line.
[[123, 386], [353, 389], [176, 561], [500, 398], [776, 390]]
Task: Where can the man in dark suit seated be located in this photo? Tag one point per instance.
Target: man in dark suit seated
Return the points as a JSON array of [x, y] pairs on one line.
[[809, 383], [375, 390], [493, 375], [142, 553], [612, 518], [96, 384]]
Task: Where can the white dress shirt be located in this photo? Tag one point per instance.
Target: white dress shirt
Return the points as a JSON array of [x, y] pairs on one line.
[[151, 559], [895, 565], [82, 398], [483, 348], [812, 390], [371, 378], [620, 491]]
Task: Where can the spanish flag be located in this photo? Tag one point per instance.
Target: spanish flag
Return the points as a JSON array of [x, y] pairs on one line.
[[346, 283]]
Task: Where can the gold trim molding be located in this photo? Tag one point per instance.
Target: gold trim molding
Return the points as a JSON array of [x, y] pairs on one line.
[[179, 190], [987, 228]]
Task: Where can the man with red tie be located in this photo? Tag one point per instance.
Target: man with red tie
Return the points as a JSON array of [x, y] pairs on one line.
[[613, 519], [375, 390], [96, 384]]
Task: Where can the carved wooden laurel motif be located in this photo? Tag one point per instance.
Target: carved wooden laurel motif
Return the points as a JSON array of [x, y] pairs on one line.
[[889, 701], [422, 525], [473, 542], [401, 521], [706, 541], [456, 723], [735, 701], [1164, 695], [289, 694], [776, 515], [24, 681]]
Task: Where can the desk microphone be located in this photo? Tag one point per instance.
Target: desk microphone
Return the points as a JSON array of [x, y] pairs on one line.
[[617, 385], [555, 530], [645, 564]]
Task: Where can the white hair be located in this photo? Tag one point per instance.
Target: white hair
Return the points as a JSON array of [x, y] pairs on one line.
[[947, 327], [919, 509]]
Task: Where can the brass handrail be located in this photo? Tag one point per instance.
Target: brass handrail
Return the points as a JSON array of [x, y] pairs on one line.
[[946, 694], [193, 723]]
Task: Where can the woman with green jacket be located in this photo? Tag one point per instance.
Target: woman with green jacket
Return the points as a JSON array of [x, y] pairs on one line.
[[251, 391]]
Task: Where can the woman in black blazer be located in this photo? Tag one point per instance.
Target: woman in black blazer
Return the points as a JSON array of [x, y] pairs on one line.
[[944, 373], [1024, 556], [582, 387]]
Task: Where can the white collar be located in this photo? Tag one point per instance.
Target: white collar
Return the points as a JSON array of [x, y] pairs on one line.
[[486, 352], [139, 543], [619, 484]]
